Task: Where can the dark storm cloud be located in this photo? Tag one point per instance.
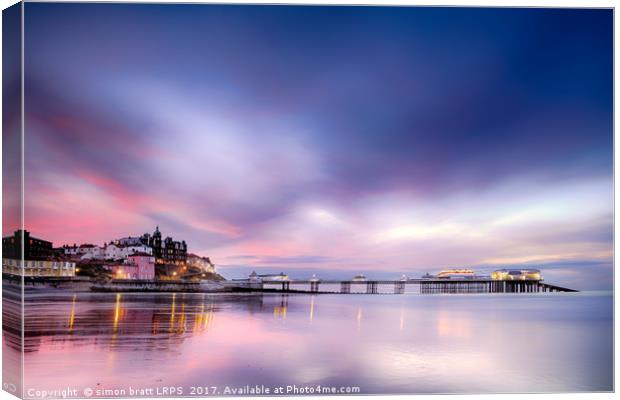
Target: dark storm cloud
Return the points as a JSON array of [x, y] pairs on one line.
[[418, 97]]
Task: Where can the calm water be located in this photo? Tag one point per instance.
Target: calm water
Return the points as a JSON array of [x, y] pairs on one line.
[[382, 344]]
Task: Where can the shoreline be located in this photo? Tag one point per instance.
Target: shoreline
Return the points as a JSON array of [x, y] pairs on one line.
[[12, 284]]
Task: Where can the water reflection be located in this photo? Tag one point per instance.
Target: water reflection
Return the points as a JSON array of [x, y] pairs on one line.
[[279, 311], [402, 344], [72, 314], [311, 308], [85, 317], [454, 324], [11, 339], [173, 308], [117, 311], [204, 318]]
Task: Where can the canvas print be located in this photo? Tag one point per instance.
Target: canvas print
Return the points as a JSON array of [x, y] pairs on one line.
[[240, 200]]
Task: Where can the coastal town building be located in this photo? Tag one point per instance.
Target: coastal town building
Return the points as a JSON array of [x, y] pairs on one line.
[[131, 241], [137, 266], [39, 257], [84, 251], [123, 271], [145, 264], [110, 251], [119, 252], [47, 268], [92, 253], [34, 248], [166, 251]]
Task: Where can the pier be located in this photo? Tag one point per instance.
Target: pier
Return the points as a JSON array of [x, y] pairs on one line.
[[425, 286], [369, 286]]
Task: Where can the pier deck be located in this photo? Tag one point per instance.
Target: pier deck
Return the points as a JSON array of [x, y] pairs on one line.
[[426, 286]]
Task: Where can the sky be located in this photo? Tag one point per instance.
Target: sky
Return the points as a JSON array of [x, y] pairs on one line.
[[328, 140]]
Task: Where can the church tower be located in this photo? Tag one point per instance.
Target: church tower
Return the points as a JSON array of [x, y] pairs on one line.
[[156, 244]]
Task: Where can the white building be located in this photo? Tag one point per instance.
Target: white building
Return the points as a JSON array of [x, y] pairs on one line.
[[38, 268], [93, 253], [118, 252]]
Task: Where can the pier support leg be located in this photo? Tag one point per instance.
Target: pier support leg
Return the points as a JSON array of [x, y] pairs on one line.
[[371, 288]]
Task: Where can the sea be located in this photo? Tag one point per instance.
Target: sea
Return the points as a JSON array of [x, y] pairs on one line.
[[198, 344]]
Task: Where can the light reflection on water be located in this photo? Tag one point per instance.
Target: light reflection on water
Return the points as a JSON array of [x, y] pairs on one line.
[[384, 344]]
